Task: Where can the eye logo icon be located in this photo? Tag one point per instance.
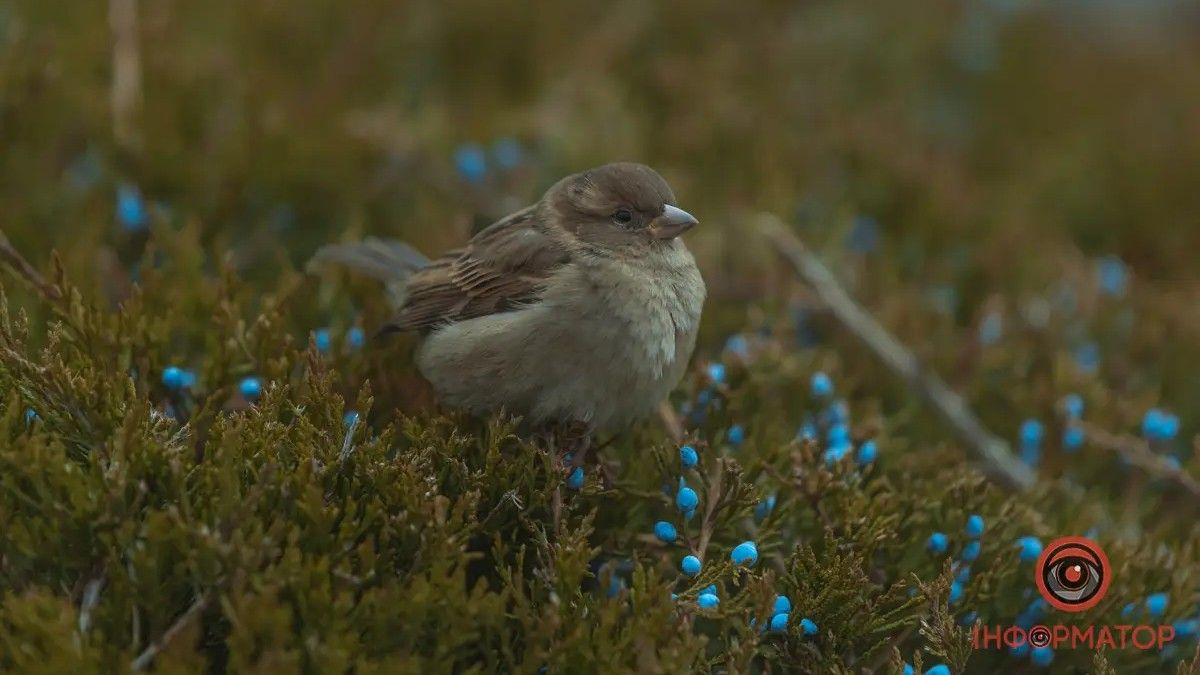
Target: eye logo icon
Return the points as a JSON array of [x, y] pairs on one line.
[[1073, 574]]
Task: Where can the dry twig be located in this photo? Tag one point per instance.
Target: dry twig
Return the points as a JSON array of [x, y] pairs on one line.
[[999, 462]]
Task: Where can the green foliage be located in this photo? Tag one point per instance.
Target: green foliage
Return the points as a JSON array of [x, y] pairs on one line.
[[182, 528]]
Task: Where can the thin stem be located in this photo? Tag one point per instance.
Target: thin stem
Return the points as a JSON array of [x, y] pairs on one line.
[[995, 454]]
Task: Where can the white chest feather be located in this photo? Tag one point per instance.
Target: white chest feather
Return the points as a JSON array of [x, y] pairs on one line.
[[606, 343]]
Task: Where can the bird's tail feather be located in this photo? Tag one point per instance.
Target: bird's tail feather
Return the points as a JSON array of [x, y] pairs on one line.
[[387, 260]]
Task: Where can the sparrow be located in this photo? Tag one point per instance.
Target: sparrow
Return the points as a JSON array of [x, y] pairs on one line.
[[580, 309]]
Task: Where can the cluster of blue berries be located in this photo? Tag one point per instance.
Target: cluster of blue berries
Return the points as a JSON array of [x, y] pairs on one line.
[[832, 424], [1159, 426], [181, 379], [178, 379], [471, 160], [1032, 615], [938, 543], [1073, 436], [323, 339], [697, 411]]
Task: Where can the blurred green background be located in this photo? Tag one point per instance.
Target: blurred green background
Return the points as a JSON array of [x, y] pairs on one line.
[[1011, 186]]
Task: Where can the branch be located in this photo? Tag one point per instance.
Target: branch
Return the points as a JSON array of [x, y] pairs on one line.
[[998, 460], [125, 92], [146, 657], [1138, 453], [11, 257], [671, 421]]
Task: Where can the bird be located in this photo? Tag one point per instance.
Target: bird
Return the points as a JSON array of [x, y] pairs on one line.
[[578, 311]]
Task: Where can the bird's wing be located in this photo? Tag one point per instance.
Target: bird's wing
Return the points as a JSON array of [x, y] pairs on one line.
[[501, 268]]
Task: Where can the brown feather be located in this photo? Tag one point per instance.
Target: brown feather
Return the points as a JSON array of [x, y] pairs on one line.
[[501, 268]]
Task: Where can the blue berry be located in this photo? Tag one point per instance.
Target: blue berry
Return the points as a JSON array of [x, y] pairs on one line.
[[838, 434], [782, 604], [708, 600], [938, 543], [691, 565], [575, 481], [866, 453], [745, 553], [131, 211], [837, 413], [739, 345], [251, 388], [863, 237], [1073, 406], [470, 162], [688, 457], [1020, 650], [507, 153], [1031, 432], [355, 337], [716, 372], [350, 418], [964, 574], [1073, 438], [737, 435], [686, 500], [779, 622], [808, 626], [1158, 425], [808, 431], [974, 527], [939, 669], [1156, 604], [31, 416], [1041, 657], [956, 592], [711, 588], [908, 669], [764, 508], [968, 619], [1087, 357], [665, 531], [322, 339], [822, 386], [615, 585], [1111, 275], [1031, 548], [834, 454], [971, 551], [1128, 611], [177, 378]]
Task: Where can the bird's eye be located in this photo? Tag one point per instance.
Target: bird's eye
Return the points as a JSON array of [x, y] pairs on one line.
[[622, 216]]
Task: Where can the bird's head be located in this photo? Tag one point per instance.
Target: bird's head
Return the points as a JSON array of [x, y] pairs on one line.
[[618, 206]]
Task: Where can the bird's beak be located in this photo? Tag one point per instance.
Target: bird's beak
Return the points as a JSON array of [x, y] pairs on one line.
[[672, 223]]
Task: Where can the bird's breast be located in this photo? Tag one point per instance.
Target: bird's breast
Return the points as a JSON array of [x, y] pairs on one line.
[[648, 309]]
